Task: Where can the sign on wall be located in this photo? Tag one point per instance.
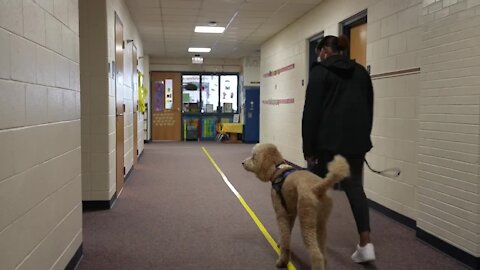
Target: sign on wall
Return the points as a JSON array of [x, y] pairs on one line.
[[278, 101], [159, 96], [278, 71], [168, 94]]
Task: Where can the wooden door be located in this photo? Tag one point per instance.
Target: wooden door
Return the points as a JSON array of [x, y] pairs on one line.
[[135, 104], [358, 43], [166, 118], [120, 106]]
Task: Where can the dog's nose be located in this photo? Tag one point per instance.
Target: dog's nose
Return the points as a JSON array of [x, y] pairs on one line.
[[243, 162]]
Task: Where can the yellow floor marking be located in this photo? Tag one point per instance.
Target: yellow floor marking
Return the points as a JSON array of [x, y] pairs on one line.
[[264, 231]]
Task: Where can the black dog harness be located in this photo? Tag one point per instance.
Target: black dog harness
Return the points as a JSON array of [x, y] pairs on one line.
[[277, 182]]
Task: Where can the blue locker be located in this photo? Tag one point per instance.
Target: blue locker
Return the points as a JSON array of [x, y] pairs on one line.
[[252, 115]]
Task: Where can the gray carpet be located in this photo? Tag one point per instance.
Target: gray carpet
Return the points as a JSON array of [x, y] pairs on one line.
[[175, 212]]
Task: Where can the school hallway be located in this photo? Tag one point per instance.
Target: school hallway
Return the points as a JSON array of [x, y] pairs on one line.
[[176, 212]]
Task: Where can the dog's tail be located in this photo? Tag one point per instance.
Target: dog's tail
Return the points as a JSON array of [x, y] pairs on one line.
[[338, 169]]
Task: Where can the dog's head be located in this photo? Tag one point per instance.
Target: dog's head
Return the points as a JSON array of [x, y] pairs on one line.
[[265, 157]]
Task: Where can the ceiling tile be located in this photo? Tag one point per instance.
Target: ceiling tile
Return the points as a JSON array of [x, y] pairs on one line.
[[263, 6], [188, 4], [171, 23], [220, 5], [179, 18], [143, 3], [179, 11]]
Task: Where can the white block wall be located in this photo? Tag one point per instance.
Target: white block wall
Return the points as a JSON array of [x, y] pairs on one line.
[[98, 136], [40, 180], [425, 123], [251, 70], [98, 85], [394, 38], [448, 179]]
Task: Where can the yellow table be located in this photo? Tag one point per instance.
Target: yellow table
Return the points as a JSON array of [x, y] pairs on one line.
[[233, 129]]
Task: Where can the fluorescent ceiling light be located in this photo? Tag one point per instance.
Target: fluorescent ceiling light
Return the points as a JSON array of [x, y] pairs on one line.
[[199, 49], [209, 29]]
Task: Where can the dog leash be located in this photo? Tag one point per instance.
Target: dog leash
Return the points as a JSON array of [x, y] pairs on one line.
[[390, 172]]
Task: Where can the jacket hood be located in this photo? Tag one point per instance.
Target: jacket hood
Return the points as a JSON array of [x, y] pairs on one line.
[[339, 64]]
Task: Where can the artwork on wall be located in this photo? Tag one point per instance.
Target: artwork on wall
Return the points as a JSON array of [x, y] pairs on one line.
[[142, 93], [209, 108], [168, 94], [159, 96], [227, 107]]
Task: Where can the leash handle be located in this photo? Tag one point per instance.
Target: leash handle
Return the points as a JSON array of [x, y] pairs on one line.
[[396, 171]]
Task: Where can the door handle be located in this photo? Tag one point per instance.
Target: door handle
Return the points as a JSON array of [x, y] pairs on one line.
[[120, 114]]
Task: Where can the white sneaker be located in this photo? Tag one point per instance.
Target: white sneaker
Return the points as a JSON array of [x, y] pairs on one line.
[[364, 254]]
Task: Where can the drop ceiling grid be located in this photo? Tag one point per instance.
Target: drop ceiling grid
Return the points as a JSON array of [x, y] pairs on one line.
[[169, 24]]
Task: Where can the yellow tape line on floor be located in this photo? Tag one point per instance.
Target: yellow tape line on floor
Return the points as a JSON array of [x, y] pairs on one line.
[[264, 231]]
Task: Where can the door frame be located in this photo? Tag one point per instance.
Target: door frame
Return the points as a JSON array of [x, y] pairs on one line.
[[311, 46], [150, 113], [349, 23], [135, 104], [119, 112]]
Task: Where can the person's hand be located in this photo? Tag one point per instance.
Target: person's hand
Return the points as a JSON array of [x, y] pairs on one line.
[[311, 160]]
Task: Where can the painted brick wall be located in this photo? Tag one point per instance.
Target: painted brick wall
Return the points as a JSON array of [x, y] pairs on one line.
[[40, 180], [394, 44], [449, 114], [98, 93], [96, 145]]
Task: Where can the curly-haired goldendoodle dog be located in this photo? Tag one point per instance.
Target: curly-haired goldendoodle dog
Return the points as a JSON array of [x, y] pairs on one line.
[[297, 192]]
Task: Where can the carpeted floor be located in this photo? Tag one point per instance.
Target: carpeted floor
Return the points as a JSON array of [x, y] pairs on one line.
[[175, 212]]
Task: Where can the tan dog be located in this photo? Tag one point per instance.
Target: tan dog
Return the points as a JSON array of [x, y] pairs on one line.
[[304, 193]]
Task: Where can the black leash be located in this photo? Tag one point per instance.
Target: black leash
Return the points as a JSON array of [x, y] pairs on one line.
[[390, 172]]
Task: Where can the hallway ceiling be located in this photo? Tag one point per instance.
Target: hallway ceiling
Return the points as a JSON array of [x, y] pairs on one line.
[[166, 26]]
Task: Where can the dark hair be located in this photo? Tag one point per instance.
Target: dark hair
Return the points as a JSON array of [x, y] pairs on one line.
[[337, 44]]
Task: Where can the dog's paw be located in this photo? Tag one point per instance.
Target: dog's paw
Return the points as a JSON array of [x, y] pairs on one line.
[[281, 263]]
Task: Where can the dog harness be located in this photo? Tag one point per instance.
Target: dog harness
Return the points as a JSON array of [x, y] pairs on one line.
[[277, 182]]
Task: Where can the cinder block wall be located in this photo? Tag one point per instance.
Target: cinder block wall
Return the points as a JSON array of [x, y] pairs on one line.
[[394, 39], [449, 116], [98, 95], [40, 181]]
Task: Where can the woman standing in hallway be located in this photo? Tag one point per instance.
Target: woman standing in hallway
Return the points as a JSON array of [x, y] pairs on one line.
[[337, 119]]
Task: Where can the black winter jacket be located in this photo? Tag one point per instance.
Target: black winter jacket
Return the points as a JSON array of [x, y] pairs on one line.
[[338, 110]]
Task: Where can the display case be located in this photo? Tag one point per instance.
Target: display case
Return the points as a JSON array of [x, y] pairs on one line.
[[208, 127], [191, 128]]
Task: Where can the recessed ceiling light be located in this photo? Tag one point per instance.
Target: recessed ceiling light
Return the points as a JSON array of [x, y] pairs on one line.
[[209, 29], [199, 49]]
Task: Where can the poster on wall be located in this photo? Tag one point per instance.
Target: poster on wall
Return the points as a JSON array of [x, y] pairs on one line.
[[159, 96], [168, 94]]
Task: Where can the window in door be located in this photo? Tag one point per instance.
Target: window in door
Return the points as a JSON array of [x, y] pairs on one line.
[[355, 28]]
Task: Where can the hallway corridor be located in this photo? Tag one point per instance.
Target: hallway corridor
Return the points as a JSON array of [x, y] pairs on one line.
[[176, 212]]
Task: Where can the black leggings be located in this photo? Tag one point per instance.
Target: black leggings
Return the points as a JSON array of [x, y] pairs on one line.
[[353, 186]]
